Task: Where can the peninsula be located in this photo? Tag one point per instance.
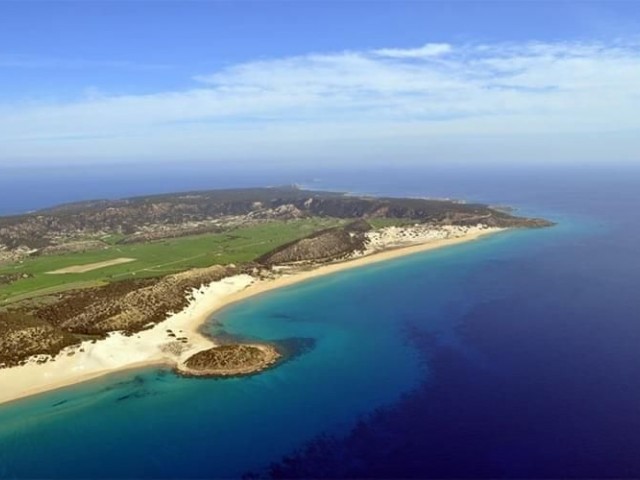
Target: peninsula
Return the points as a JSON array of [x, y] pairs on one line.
[[93, 287]]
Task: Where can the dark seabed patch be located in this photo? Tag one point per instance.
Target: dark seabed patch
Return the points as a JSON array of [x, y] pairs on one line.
[[290, 348]]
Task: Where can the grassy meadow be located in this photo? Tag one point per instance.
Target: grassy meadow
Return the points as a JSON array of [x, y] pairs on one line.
[[155, 258]]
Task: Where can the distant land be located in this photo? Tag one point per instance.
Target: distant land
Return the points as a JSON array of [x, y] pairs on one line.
[[94, 286]]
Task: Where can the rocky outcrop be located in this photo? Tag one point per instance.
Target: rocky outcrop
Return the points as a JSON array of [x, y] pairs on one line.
[[230, 360]]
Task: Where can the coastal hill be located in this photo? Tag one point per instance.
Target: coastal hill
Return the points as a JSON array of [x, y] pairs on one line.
[[85, 225], [325, 245], [76, 272]]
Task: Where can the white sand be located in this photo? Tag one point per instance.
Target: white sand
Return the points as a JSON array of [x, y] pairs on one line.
[[156, 347], [389, 237], [149, 347]]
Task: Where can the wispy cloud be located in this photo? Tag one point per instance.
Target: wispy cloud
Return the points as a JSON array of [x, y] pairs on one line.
[[347, 103], [428, 50]]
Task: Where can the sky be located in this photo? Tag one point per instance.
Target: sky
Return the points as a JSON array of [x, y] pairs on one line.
[[319, 82]]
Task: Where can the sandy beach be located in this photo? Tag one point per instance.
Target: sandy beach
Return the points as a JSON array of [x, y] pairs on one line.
[[172, 341]]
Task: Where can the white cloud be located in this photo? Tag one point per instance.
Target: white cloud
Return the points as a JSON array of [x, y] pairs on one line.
[[360, 103], [428, 50]]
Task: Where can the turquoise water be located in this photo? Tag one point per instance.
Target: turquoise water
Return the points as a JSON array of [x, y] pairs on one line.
[[359, 360], [514, 356]]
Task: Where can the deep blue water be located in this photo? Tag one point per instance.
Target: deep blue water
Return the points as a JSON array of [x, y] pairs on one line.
[[515, 356]]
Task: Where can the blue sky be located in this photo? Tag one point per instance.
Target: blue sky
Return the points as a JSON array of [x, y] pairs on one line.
[[329, 81]]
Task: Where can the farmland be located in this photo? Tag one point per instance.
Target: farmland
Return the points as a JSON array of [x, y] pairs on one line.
[[156, 258]]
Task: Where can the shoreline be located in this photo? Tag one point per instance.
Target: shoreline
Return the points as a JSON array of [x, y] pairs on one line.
[[262, 286], [154, 347]]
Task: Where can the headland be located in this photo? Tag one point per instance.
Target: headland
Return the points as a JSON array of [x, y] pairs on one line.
[[60, 338]]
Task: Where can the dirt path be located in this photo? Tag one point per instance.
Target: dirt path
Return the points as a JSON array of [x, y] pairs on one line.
[[91, 266]]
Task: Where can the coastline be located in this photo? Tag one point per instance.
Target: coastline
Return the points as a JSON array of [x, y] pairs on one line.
[[264, 286], [156, 347]]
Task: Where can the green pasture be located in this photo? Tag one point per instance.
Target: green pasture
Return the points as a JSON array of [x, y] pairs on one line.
[[156, 258]]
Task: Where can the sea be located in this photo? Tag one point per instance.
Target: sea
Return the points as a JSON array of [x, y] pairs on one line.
[[515, 356]]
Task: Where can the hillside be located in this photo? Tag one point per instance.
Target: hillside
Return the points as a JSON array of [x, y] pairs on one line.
[[78, 226]]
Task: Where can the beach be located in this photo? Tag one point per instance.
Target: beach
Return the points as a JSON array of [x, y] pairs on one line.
[[174, 340]]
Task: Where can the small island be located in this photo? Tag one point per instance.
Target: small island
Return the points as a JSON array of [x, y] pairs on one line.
[[230, 360]]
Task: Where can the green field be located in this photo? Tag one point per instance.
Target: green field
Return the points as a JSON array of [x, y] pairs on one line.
[[155, 258]]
